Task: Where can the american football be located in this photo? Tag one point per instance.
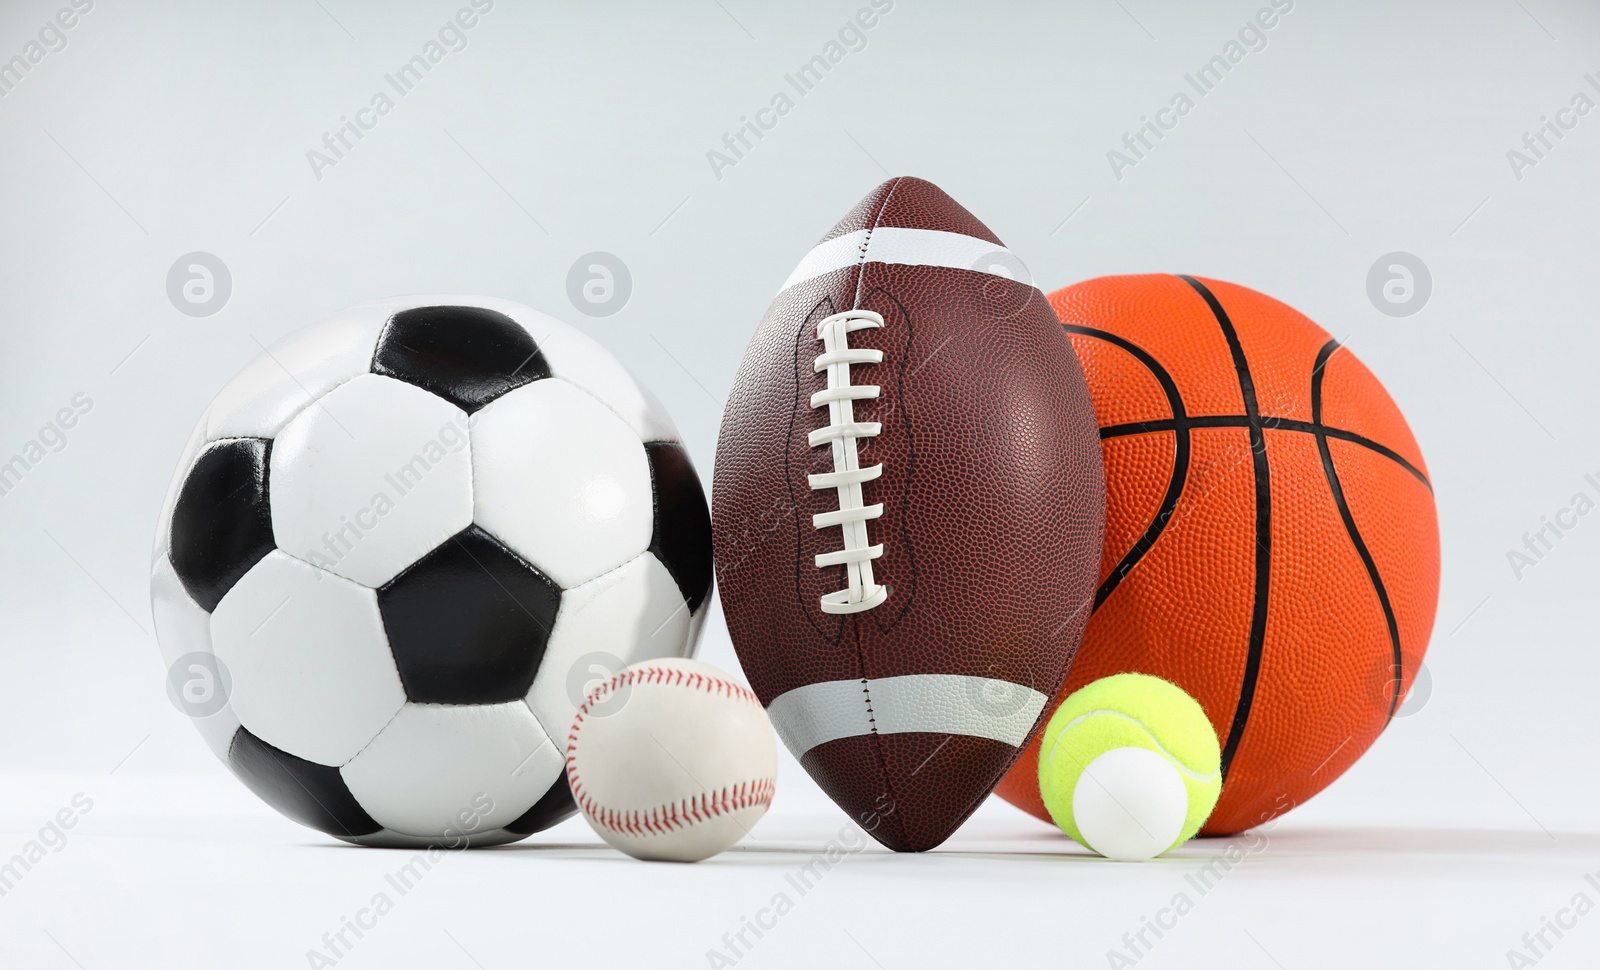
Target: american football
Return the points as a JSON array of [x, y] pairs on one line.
[[907, 512]]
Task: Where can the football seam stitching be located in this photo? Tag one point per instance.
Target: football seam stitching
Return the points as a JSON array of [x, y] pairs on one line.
[[876, 738]]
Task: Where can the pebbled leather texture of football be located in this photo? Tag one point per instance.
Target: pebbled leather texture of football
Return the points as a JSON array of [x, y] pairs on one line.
[[907, 512]]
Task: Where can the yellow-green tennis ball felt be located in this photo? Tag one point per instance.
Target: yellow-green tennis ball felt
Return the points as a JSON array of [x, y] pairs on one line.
[[1130, 766]]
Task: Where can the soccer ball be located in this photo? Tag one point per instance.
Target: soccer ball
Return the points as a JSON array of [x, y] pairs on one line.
[[401, 546]]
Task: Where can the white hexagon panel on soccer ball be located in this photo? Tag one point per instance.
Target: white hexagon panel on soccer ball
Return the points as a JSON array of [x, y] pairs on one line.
[[627, 615], [369, 479], [183, 631], [312, 672], [447, 769], [294, 372], [561, 480], [575, 358]]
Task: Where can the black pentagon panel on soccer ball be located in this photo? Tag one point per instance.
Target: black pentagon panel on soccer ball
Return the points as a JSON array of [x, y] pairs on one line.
[[465, 354], [222, 522], [305, 791], [468, 622], [682, 535], [555, 805]]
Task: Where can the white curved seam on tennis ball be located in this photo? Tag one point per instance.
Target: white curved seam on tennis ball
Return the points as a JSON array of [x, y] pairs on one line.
[[1187, 772]]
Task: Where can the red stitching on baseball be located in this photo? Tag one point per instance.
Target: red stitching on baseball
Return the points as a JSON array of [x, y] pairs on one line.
[[656, 675], [673, 815]]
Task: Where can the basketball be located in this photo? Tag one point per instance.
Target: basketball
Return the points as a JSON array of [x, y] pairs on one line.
[[1271, 543]]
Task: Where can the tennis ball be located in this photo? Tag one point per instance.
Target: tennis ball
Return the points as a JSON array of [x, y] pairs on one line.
[[1130, 766]]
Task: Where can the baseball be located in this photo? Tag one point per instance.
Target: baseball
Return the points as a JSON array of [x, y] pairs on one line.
[[672, 760]]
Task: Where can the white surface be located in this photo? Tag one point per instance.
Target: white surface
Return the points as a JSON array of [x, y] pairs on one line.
[[435, 761], [312, 671], [670, 760], [906, 247], [632, 613], [1129, 804], [165, 128], [374, 477], [187, 871], [561, 480]]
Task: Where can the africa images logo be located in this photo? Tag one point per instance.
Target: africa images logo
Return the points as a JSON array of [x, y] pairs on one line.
[[851, 39], [1539, 543], [1251, 38], [449, 39], [51, 39]]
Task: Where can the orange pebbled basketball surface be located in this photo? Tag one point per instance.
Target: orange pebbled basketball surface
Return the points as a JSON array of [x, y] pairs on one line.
[[1271, 541]]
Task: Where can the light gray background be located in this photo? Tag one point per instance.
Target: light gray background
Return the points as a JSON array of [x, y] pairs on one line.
[[1361, 129]]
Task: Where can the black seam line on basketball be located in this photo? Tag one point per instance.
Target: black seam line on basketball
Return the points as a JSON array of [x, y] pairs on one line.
[[1271, 424], [1263, 539], [1180, 424], [1337, 489]]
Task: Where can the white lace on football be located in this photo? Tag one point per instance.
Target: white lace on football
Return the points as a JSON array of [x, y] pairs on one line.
[[842, 432]]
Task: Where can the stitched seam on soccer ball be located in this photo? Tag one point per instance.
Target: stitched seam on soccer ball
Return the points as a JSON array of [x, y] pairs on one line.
[[841, 434]]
